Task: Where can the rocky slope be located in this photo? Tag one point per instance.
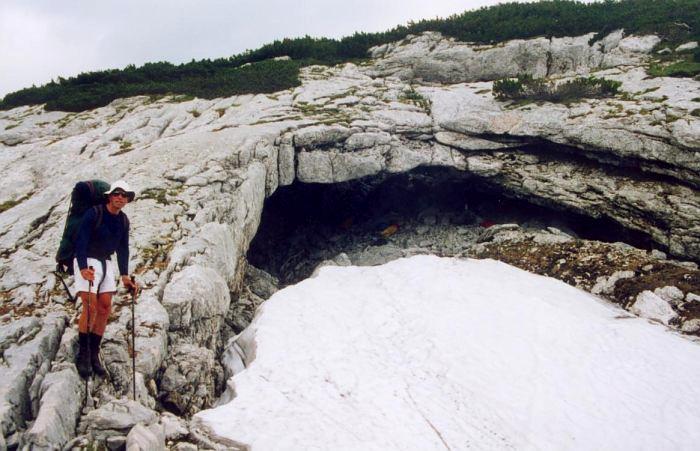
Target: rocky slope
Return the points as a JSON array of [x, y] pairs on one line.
[[203, 170]]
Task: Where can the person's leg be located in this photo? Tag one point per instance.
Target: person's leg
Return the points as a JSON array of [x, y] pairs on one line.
[[103, 308], [107, 288], [83, 358], [86, 324], [87, 294]]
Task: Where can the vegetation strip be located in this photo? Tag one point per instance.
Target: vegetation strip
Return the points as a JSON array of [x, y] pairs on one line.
[[256, 71]]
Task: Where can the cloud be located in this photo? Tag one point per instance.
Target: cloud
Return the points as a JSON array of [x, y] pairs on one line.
[[43, 39]]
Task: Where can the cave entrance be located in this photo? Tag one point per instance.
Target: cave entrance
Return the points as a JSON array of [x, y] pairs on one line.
[[429, 210]]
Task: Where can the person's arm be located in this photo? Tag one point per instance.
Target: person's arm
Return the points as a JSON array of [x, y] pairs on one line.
[[123, 249], [123, 259], [87, 224]]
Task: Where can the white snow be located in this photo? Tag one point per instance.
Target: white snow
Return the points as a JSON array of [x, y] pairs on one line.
[[433, 353]]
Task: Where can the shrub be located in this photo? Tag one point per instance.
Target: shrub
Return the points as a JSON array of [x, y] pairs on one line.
[[508, 88], [676, 21], [88, 91], [678, 69], [410, 95], [525, 87]]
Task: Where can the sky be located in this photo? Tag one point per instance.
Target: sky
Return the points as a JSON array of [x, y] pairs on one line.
[[43, 39]]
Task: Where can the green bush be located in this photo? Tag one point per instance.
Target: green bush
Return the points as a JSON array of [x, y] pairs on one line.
[[675, 21], [93, 90], [414, 97], [677, 69], [508, 88], [525, 87]]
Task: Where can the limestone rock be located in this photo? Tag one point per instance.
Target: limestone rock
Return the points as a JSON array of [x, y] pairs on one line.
[[606, 285], [117, 417], [340, 260], [670, 294], [319, 135], [648, 305], [116, 442], [61, 400], [260, 282], [491, 232], [691, 327], [152, 324], [431, 57], [196, 300], [26, 345], [467, 142], [146, 438], [687, 46], [377, 255], [174, 428], [190, 379]]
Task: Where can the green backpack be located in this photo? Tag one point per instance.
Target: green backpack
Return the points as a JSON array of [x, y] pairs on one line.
[[85, 195]]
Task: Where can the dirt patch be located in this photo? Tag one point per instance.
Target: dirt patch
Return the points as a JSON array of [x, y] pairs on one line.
[[584, 264]]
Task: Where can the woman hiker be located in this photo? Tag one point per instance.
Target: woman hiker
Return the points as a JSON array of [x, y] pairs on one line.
[[104, 230]]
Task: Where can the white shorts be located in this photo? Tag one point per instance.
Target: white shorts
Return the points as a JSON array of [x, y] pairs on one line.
[[109, 283]]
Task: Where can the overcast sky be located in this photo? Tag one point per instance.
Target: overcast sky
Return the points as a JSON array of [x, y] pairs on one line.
[[42, 39]]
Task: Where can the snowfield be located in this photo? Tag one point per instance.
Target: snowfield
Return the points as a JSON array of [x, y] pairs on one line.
[[435, 353]]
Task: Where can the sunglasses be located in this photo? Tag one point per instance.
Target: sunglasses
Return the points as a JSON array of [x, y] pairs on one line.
[[120, 194]]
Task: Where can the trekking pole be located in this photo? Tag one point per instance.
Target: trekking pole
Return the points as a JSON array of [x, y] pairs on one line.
[[133, 336], [89, 357], [71, 298]]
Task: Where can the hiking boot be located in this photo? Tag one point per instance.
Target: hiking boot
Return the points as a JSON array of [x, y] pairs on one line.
[[82, 362], [97, 367]]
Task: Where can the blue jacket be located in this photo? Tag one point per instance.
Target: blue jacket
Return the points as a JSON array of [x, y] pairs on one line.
[[111, 236]]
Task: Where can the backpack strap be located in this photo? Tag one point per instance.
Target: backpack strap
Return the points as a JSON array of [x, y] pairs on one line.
[[91, 187], [98, 213]]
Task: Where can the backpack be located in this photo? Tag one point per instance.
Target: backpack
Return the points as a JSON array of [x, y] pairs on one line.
[[81, 200]]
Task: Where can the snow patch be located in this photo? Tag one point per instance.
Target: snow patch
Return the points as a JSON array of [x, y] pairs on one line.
[[437, 353]]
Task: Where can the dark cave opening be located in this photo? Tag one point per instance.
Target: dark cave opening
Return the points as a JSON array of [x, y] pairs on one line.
[[303, 224]]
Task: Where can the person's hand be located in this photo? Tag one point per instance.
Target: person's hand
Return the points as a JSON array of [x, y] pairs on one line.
[[130, 285], [88, 274]]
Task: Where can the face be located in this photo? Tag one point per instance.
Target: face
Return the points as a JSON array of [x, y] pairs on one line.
[[118, 199]]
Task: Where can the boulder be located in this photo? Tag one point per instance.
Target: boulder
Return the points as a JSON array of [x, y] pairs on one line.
[[117, 417], [174, 428], [687, 46], [671, 294], [606, 285], [61, 399], [196, 300], [58, 399], [648, 305], [146, 438], [27, 345], [190, 379], [691, 326]]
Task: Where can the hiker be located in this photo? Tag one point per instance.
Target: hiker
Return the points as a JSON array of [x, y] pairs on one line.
[[103, 231]]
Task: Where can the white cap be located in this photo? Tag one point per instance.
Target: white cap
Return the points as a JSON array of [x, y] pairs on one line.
[[122, 185]]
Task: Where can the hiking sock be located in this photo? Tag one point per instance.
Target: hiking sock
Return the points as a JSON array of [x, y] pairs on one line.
[[83, 361], [97, 367]]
